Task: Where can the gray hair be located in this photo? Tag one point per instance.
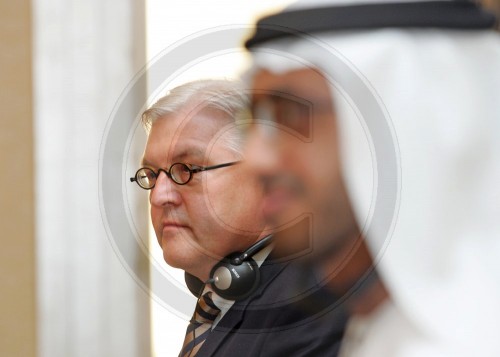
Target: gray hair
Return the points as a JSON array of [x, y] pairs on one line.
[[225, 96]]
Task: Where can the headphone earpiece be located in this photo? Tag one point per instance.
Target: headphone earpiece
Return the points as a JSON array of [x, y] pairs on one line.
[[237, 276], [233, 278], [233, 281]]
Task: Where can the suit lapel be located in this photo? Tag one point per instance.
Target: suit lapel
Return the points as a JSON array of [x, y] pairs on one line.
[[233, 319]]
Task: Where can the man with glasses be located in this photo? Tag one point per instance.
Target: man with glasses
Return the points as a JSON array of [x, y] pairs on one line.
[[205, 205]]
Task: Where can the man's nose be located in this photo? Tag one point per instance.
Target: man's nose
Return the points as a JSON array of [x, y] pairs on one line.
[[262, 149], [165, 192]]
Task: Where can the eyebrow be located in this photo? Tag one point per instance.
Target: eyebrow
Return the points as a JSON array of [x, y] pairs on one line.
[[145, 163], [192, 152]]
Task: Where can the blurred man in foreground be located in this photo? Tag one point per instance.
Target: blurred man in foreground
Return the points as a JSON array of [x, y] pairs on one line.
[[382, 120]]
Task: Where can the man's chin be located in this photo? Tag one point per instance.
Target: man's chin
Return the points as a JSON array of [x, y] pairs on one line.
[[172, 257], [171, 261], [191, 264]]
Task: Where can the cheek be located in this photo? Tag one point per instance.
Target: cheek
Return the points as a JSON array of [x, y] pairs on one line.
[[155, 216], [208, 211], [222, 200], [300, 161], [318, 160], [236, 205]]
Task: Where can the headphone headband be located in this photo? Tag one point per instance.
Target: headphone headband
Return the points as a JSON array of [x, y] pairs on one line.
[[254, 249]]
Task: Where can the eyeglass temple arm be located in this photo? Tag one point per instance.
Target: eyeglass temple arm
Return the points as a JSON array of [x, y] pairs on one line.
[[134, 179], [198, 169]]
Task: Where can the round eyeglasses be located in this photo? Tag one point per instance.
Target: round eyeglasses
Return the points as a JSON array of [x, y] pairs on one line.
[[180, 173]]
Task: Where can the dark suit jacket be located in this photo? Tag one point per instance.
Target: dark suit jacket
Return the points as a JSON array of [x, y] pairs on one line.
[[269, 323]]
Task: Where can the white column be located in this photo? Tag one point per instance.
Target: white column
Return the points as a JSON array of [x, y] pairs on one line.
[[89, 303]]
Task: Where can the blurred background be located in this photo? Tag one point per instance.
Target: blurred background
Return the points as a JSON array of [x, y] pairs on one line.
[[66, 288]]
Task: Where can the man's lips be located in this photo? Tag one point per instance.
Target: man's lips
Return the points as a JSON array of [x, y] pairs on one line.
[[172, 225]]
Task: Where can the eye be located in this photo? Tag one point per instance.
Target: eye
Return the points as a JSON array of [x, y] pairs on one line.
[[150, 174], [146, 177], [181, 173], [194, 168], [292, 114]]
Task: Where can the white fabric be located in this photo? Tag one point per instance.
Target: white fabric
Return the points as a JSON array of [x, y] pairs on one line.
[[441, 91], [387, 332]]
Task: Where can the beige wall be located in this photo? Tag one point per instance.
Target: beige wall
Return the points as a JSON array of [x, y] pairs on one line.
[[17, 304]]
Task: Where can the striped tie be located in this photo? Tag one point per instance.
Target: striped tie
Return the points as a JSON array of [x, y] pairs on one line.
[[200, 326]]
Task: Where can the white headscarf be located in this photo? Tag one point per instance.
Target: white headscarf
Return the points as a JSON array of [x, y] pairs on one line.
[[440, 93]]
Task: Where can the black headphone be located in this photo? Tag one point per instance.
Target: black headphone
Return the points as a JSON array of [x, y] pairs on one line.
[[235, 277]]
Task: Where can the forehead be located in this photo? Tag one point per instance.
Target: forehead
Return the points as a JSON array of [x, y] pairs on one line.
[[300, 100], [306, 83], [186, 135]]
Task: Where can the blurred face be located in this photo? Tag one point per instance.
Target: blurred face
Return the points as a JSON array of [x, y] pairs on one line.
[[218, 211], [293, 148]]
